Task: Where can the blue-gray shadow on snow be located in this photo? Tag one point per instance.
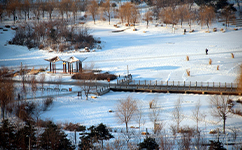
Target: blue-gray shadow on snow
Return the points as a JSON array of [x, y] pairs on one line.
[[159, 68]]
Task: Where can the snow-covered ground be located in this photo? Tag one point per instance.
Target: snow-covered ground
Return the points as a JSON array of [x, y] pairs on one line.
[[156, 54]]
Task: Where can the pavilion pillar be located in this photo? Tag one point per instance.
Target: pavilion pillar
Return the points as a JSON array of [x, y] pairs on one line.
[[77, 66], [55, 68], [72, 68], [68, 67], [80, 67], [50, 66]]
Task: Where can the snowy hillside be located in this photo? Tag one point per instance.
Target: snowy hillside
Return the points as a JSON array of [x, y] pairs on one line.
[[156, 54]]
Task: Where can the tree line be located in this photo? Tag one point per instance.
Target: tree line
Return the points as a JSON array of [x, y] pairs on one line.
[[167, 11]]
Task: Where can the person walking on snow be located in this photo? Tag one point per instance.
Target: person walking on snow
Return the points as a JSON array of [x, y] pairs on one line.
[[206, 51]]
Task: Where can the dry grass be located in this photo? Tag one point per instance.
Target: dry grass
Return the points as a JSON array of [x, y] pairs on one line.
[[188, 72], [232, 55], [210, 61], [187, 58], [217, 67], [239, 80]]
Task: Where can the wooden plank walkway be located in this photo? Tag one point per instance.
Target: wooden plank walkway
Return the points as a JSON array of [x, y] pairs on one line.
[[176, 87]]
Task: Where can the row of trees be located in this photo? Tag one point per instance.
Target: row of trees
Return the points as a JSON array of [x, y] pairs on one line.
[[28, 136], [169, 12], [128, 109], [39, 7]]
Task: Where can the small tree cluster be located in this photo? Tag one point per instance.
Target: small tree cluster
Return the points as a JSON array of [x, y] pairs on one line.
[[53, 33], [95, 134], [15, 137]]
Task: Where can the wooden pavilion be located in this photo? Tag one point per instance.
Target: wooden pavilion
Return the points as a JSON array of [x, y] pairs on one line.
[[52, 61], [67, 64], [69, 61]]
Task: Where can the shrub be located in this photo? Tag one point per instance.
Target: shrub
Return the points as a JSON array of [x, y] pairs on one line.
[[239, 101], [238, 112], [47, 103], [72, 127], [24, 110], [92, 76], [188, 72], [188, 130], [114, 4], [151, 104], [210, 61], [148, 143], [187, 58], [41, 46]]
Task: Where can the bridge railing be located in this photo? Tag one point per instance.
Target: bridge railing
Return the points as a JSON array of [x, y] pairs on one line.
[[178, 83]]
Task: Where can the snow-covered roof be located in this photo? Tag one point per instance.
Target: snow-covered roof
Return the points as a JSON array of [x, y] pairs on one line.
[[72, 59], [53, 59]]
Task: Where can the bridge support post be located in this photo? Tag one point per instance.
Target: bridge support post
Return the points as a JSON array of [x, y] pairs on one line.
[[225, 86]]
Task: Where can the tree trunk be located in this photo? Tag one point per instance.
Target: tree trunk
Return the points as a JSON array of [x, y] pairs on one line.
[[224, 119], [3, 113], [127, 130]]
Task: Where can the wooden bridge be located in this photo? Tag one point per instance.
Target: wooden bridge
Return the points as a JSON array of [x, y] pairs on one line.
[[175, 87]]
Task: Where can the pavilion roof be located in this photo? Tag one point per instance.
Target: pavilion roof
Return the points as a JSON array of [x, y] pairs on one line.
[[53, 59], [72, 59]]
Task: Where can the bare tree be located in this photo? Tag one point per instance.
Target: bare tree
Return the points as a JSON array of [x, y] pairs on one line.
[[2, 9], [219, 108], [166, 143], [50, 7], [228, 13], [33, 85], [134, 14], [126, 108], [74, 8], [148, 18], [42, 80], [128, 12], [155, 116], [107, 9], [177, 115], [25, 6], [182, 13], [93, 9], [12, 8], [6, 90], [196, 113], [207, 14], [42, 7], [61, 8], [185, 141], [192, 16], [169, 16], [140, 115]]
